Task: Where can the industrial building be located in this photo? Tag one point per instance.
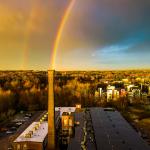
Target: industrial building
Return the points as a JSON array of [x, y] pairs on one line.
[[105, 129], [81, 128], [111, 132], [34, 137]]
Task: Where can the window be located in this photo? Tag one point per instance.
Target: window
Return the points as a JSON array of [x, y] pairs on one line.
[[25, 147], [18, 146]]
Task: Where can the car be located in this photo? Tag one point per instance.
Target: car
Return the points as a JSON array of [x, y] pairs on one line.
[[28, 115], [19, 123], [13, 128], [21, 120], [9, 132], [26, 118]]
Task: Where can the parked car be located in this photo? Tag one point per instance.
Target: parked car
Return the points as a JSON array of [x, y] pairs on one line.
[[19, 123], [26, 118], [9, 132], [28, 115], [13, 128]]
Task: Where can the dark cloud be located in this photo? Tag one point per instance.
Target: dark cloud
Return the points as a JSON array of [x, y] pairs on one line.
[[104, 22]]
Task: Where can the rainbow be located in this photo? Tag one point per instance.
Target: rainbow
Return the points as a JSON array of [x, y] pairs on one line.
[[57, 39], [59, 33]]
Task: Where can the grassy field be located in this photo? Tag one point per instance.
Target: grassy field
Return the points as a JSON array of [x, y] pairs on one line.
[[139, 118]]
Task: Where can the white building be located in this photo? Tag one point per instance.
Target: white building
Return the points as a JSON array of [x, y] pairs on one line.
[[129, 87], [100, 91], [110, 92], [34, 137], [148, 90]]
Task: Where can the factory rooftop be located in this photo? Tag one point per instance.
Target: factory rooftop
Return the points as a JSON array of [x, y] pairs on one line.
[[38, 133], [111, 132], [76, 141], [97, 128]]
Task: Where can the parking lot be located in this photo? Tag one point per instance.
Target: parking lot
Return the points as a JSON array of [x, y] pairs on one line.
[[15, 126]]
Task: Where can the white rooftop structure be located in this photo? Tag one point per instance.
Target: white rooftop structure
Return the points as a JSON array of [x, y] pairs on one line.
[[37, 131], [65, 109], [38, 135]]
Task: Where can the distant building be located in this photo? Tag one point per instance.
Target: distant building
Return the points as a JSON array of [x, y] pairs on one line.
[[144, 97], [97, 94], [134, 89], [100, 91], [148, 90], [130, 97], [138, 79], [125, 80], [116, 95], [110, 92], [129, 87], [123, 92], [136, 93]]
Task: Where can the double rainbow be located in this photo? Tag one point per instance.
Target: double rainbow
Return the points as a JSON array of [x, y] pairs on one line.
[[57, 39]]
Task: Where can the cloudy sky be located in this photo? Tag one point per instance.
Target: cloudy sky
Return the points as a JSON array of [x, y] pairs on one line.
[[99, 34]]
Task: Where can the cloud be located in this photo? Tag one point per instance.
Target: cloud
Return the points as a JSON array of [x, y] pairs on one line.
[[104, 22]]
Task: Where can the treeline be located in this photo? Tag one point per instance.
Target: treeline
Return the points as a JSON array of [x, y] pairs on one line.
[[23, 91], [73, 92], [28, 91]]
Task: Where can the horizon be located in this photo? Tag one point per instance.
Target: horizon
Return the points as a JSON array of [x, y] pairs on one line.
[[140, 69]]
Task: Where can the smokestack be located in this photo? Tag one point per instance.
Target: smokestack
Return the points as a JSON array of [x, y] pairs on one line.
[[51, 111]]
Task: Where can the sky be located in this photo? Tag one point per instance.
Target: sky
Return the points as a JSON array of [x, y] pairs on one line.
[[98, 35]]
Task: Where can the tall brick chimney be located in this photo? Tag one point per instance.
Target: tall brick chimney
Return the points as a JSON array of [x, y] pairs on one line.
[[51, 111]]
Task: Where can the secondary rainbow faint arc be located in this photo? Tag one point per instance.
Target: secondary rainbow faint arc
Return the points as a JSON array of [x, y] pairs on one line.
[[59, 33], [27, 34]]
